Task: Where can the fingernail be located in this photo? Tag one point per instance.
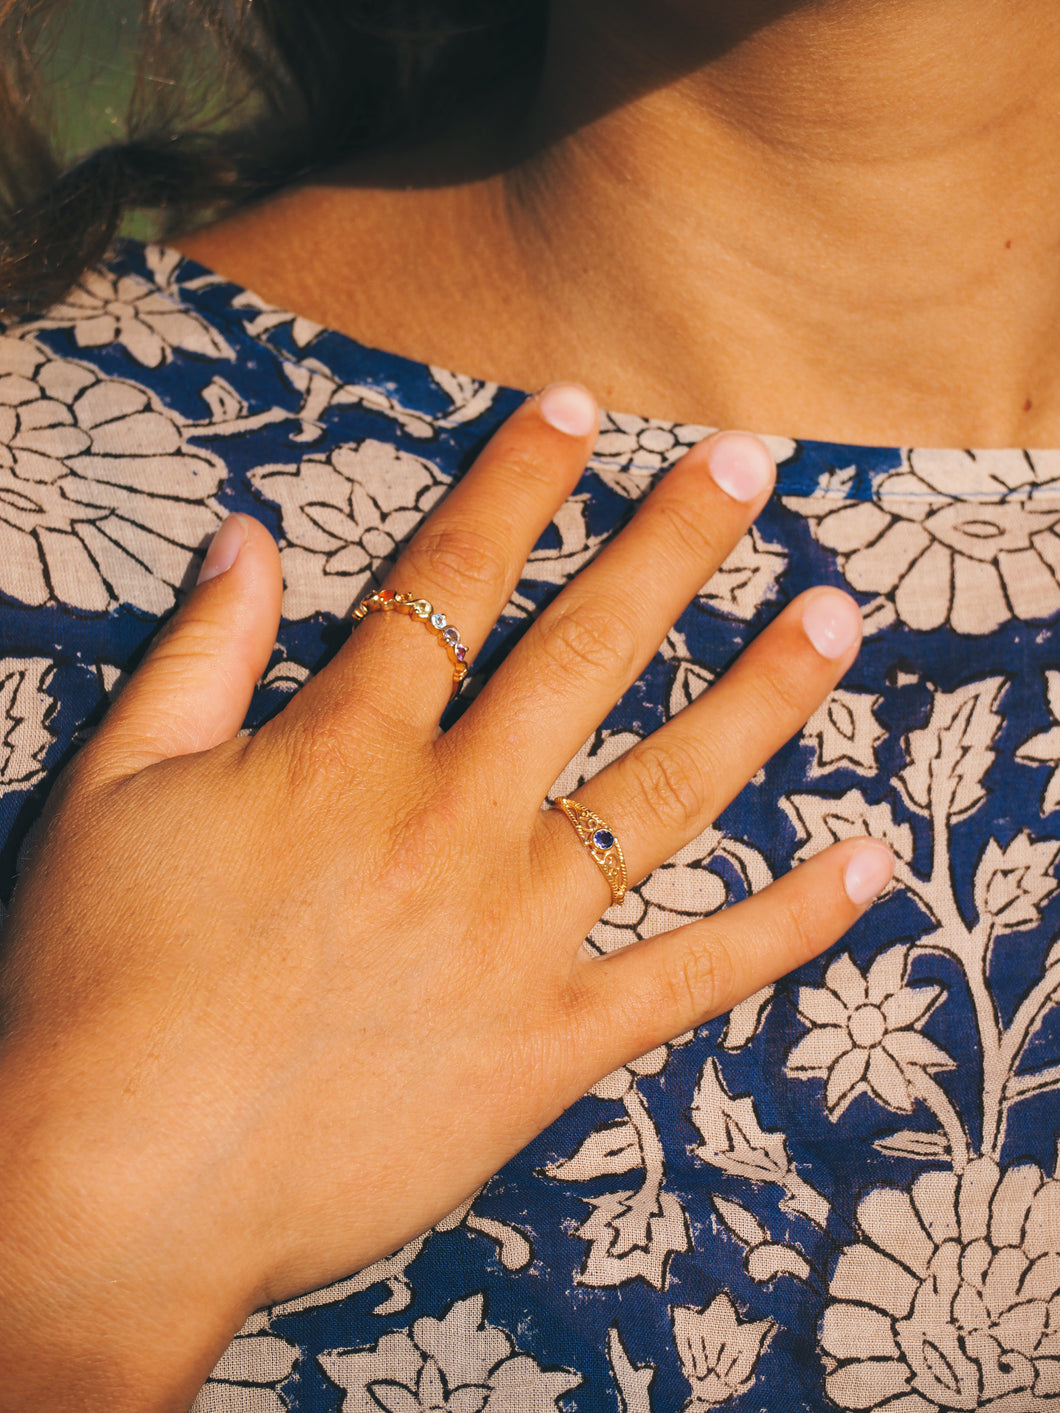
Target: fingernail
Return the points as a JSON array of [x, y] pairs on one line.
[[569, 408], [740, 464], [224, 549], [868, 873], [832, 622]]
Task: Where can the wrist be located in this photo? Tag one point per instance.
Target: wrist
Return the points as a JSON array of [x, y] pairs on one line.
[[107, 1301]]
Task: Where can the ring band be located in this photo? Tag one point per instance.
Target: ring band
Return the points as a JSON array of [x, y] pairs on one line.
[[386, 601], [601, 843]]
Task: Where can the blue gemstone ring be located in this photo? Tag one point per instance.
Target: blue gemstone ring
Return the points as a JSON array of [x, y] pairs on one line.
[[601, 845]]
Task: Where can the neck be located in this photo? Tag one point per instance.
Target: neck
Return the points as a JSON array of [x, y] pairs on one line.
[[839, 219]]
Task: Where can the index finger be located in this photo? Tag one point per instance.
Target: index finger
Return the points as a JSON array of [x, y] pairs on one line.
[[465, 560]]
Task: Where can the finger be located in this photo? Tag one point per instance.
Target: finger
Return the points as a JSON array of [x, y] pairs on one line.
[[644, 995], [193, 689], [465, 560], [595, 639], [665, 791]]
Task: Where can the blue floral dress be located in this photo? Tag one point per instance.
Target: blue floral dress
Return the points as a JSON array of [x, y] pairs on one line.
[[843, 1195]]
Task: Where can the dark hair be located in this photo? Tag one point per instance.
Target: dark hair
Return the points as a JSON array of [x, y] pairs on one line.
[[230, 99]]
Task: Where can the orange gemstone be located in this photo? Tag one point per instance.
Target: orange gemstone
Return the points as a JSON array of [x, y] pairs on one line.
[[386, 595]]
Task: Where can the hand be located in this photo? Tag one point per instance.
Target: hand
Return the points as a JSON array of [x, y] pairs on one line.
[[275, 1004]]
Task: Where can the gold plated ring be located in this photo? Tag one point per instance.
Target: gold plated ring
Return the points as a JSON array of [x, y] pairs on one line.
[[386, 601], [602, 845]]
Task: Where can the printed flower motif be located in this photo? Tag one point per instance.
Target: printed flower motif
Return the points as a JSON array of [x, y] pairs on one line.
[[458, 1364], [1044, 749], [632, 446], [960, 537], [104, 309], [950, 1302], [719, 1352], [864, 1034], [344, 516], [844, 733], [99, 495], [249, 1374], [25, 710]]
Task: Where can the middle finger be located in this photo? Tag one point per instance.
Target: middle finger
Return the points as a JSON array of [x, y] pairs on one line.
[[597, 637]]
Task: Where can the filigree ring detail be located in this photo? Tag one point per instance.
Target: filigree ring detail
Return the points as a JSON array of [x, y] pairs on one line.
[[601, 843]]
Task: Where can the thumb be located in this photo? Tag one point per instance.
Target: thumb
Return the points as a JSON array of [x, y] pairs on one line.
[[193, 689]]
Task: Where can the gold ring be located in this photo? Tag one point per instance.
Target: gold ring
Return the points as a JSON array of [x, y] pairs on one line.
[[386, 601], [601, 843]]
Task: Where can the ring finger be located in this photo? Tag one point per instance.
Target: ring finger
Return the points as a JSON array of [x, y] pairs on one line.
[[669, 788]]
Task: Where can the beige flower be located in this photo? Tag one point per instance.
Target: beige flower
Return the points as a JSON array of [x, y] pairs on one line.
[[844, 733], [344, 517], [97, 487], [864, 1034], [248, 1377], [104, 309], [950, 1302], [969, 539]]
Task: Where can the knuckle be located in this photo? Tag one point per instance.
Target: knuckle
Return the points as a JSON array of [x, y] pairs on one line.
[[779, 698], [589, 642], [672, 784], [694, 538], [321, 759], [466, 560], [798, 938], [703, 980]]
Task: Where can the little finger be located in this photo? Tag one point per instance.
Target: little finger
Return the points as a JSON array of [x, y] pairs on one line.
[[636, 999]]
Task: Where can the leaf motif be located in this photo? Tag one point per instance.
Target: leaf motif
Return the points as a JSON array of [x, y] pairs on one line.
[[912, 1143], [735, 1142], [949, 757], [766, 1263], [612, 1148], [747, 579], [1054, 955], [224, 402], [733, 1139], [746, 1019], [632, 1239], [744, 1225], [1011, 884], [822, 820], [632, 1381]]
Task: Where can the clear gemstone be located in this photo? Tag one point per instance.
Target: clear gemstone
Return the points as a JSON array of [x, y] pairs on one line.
[[604, 840], [438, 620]]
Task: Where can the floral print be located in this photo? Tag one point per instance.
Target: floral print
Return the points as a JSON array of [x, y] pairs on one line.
[[841, 1196], [865, 1034], [458, 1364], [974, 562], [951, 1299]]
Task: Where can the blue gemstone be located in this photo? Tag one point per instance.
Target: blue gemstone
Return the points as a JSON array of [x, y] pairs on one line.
[[603, 839]]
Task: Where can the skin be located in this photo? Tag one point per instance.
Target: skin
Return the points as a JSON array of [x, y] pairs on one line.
[[187, 962], [840, 219], [213, 930]]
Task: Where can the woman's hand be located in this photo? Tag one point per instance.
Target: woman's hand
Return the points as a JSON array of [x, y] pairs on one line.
[[273, 1005]]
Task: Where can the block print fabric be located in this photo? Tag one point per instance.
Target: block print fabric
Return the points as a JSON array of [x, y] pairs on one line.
[[843, 1195]]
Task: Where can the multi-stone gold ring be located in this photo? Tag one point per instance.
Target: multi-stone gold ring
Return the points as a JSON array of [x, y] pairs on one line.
[[387, 601]]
